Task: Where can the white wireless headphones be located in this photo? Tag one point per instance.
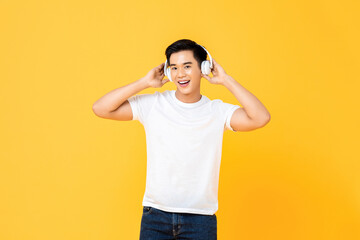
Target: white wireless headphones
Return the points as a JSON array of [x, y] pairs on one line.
[[206, 66]]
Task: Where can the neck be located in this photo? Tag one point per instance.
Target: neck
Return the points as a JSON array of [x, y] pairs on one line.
[[189, 97]]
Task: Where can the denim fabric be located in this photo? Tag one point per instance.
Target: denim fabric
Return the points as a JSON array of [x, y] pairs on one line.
[[157, 224]]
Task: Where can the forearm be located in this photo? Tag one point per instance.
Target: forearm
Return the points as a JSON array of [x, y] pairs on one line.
[[112, 100], [253, 107]]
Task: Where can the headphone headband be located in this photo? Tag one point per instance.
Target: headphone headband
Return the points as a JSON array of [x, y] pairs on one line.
[[211, 64]]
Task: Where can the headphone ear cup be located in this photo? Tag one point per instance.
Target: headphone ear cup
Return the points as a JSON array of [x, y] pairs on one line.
[[205, 67], [168, 74]]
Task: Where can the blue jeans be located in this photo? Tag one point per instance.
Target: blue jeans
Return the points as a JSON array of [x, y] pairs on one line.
[[160, 225]]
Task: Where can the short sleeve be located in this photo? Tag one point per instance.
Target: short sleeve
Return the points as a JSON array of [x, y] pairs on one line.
[[229, 114], [226, 112], [141, 105]]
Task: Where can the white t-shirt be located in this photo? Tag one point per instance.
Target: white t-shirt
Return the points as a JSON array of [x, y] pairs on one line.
[[184, 147]]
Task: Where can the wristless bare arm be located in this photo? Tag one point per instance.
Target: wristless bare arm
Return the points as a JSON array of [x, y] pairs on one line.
[[114, 105]]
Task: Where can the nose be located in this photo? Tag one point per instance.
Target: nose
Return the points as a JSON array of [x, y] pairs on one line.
[[181, 73]]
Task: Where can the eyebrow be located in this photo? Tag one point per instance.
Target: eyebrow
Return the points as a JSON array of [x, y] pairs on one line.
[[183, 63]]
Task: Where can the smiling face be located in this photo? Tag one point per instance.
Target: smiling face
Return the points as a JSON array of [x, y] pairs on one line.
[[184, 67]]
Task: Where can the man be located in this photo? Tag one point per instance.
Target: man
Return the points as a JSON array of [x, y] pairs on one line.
[[184, 133]]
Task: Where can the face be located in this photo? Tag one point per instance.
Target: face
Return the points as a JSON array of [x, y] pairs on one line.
[[184, 67]]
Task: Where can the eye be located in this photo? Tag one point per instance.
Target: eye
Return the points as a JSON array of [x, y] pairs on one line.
[[174, 68]]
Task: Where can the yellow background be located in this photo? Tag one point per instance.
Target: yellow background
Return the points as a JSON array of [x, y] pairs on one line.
[[68, 174]]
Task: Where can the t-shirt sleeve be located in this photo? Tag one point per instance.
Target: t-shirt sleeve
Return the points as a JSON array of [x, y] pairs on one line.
[[141, 105], [227, 110]]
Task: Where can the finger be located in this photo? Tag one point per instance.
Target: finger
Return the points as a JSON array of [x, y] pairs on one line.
[[206, 77]]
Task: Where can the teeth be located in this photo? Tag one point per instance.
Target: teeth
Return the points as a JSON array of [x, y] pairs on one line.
[[184, 81]]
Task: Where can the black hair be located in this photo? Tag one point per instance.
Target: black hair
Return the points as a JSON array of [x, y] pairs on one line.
[[186, 44]]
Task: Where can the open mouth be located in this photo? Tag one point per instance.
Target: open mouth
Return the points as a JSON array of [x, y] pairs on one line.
[[184, 83]]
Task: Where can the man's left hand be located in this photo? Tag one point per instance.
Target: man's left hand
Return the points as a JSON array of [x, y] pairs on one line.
[[219, 74]]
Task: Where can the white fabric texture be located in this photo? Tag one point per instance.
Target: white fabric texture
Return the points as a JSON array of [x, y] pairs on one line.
[[184, 148]]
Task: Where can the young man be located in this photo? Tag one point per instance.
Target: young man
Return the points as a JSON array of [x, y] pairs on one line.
[[184, 133]]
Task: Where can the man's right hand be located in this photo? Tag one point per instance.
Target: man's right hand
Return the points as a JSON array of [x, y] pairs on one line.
[[155, 77]]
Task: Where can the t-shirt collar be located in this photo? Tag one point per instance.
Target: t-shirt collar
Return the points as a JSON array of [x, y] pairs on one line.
[[188, 105]]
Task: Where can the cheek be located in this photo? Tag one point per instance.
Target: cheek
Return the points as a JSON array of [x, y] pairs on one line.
[[192, 71]]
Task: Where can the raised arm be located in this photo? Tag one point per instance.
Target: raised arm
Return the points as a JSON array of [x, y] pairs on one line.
[[114, 105], [253, 115]]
